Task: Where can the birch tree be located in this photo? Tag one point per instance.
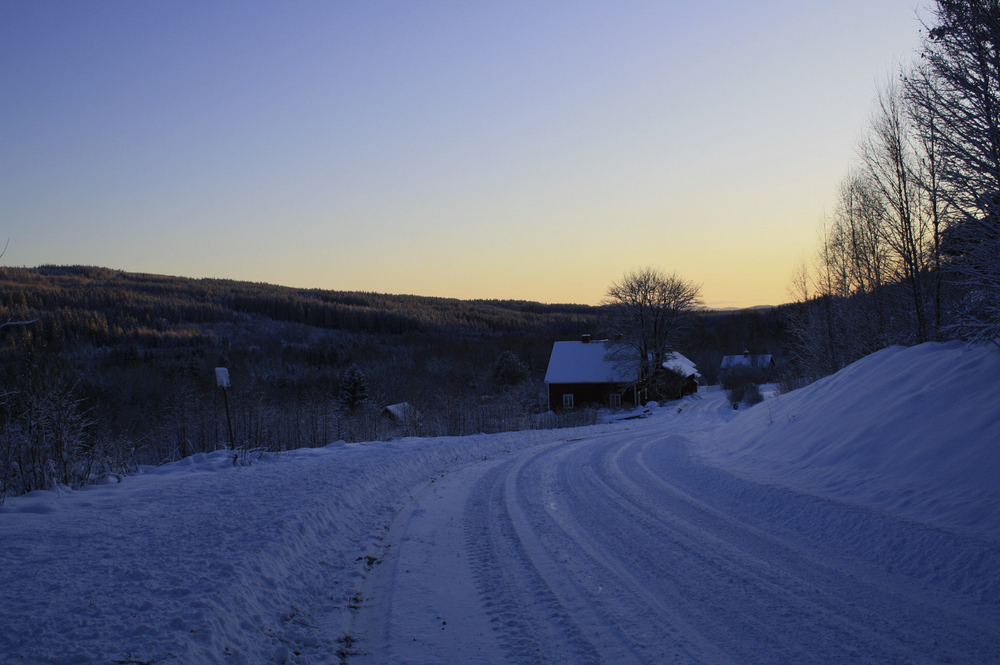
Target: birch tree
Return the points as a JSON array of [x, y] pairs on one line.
[[891, 164]]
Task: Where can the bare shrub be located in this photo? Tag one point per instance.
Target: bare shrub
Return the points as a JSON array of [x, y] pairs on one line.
[[793, 381], [44, 439], [752, 395], [741, 383]]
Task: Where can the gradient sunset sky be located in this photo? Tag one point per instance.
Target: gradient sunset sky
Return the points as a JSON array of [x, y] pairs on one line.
[[527, 150]]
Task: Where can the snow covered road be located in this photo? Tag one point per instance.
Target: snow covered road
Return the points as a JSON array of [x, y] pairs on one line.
[[622, 548], [698, 535]]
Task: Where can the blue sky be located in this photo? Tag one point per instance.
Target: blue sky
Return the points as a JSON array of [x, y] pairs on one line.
[[473, 150]]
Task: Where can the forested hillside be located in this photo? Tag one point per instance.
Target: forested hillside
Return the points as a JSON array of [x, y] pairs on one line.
[[114, 369], [110, 306]]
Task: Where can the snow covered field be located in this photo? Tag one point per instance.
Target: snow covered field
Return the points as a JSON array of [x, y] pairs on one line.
[[854, 521]]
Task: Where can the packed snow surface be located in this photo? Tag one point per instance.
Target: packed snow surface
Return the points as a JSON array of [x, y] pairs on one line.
[[853, 521]]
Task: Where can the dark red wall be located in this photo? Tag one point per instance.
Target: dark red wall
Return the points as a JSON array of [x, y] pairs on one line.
[[587, 394]]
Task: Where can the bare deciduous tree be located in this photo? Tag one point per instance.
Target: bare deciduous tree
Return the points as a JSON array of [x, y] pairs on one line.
[[873, 279], [891, 166], [955, 96], [647, 311]]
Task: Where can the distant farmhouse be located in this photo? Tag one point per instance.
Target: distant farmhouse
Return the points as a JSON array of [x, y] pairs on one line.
[[677, 363], [580, 374], [765, 361]]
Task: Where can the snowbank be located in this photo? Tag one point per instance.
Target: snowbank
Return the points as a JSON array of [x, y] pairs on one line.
[[913, 431]]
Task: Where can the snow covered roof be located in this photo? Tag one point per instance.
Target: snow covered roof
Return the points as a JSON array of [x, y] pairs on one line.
[[747, 361], [402, 411], [584, 362], [678, 363]]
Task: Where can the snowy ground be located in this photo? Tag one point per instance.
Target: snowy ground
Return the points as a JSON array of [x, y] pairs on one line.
[[854, 521]]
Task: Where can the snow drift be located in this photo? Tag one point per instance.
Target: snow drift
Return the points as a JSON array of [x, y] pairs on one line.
[[912, 431]]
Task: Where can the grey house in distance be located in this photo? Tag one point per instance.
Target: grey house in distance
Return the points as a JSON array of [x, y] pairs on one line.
[[763, 361]]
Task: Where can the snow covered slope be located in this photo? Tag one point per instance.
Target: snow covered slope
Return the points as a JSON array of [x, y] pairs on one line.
[[816, 527], [911, 431]]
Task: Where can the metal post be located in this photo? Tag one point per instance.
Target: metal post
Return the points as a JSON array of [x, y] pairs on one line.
[[222, 378], [229, 420]]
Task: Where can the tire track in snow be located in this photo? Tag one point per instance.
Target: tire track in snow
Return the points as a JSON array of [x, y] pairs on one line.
[[622, 548], [953, 561], [653, 626], [742, 577], [719, 578], [536, 626]]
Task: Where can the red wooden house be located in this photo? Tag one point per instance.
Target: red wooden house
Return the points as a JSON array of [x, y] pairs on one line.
[[579, 374]]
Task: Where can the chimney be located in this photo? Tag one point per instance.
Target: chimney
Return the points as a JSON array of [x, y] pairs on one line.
[[585, 338]]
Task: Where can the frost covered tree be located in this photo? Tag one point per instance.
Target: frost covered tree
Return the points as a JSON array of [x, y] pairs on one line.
[[353, 389], [647, 310], [43, 438], [955, 97], [509, 370]]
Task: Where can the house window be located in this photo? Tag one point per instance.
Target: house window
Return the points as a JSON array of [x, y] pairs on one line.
[[567, 401], [616, 400]]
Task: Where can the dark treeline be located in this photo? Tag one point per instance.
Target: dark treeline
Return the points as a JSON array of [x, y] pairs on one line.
[[118, 369], [713, 335]]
